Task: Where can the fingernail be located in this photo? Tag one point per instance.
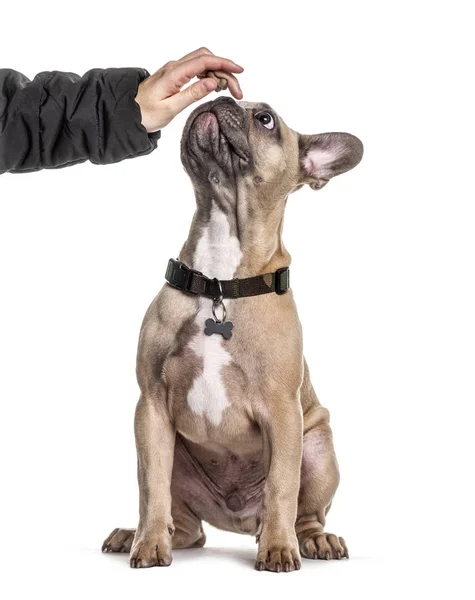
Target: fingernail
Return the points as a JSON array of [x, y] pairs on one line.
[[209, 84]]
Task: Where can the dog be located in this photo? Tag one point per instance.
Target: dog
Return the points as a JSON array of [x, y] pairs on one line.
[[228, 427]]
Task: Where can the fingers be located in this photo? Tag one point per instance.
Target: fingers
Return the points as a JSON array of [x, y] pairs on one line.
[[194, 54], [161, 97], [222, 83], [194, 92], [233, 83], [182, 72]]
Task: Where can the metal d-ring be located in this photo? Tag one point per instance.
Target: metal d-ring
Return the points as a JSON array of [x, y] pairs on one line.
[[218, 301]]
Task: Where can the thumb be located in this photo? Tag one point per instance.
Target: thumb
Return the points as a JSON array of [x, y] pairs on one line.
[[192, 93]]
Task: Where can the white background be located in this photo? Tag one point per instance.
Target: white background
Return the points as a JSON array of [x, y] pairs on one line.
[[388, 321]]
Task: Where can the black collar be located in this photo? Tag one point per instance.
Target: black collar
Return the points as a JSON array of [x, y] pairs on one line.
[[188, 280]]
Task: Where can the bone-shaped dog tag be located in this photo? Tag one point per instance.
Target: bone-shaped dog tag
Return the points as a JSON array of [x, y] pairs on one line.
[[225, 328]]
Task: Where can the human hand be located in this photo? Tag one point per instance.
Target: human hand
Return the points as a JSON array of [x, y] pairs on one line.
[[161, 98]]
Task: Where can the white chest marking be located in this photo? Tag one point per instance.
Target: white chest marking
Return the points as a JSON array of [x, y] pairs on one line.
[[217, 254]]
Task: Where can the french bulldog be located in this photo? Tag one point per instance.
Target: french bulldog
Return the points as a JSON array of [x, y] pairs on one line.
[[228, 428]]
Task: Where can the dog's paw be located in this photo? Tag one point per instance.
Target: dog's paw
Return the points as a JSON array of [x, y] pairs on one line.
[[278, 556], [120, 540], [324, 546], [150, 552]]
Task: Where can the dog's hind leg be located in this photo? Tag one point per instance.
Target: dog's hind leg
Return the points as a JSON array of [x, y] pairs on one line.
[[188, 528], [120, 540], [318, 481]]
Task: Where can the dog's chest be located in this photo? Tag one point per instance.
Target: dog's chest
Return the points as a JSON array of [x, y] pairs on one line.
[[217, 254]]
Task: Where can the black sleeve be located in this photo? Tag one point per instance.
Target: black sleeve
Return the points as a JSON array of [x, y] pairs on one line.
[[61, 119]]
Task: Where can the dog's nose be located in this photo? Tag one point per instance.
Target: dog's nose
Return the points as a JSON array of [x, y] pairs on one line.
[[224, 99]]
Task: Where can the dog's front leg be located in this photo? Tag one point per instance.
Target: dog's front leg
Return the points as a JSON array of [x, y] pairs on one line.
[[281, 426], [155, 440]]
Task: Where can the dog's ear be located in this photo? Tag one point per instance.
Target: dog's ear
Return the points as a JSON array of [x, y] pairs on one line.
[[325, 155]]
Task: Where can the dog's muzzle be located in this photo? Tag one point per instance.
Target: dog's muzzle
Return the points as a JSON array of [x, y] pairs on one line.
[[217, 131]]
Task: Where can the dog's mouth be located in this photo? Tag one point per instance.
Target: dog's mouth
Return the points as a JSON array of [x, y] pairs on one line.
[[214, 132], [211, 135]]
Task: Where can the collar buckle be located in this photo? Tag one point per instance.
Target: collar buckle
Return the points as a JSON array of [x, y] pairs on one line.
[[282, 280], [179, 275]]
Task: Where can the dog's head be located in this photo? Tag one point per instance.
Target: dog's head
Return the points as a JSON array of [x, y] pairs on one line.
[[229, 146]]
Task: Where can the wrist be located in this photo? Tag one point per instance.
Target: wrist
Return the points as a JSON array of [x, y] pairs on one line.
[[147, 114]]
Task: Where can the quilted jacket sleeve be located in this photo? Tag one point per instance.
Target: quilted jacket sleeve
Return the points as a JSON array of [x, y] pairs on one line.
[[60, 119]]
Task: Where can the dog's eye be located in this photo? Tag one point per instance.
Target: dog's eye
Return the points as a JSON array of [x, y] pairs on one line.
[[266, 119]]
